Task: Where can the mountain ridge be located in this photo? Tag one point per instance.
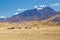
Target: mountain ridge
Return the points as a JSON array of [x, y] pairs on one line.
[[33, 14]]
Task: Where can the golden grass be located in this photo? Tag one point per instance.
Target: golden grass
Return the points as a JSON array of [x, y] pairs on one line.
[[46, 31]]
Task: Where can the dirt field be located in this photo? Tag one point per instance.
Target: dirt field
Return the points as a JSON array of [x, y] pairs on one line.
[[43, 33]]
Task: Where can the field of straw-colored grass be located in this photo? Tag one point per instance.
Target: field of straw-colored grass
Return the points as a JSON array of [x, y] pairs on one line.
[[35, 31]]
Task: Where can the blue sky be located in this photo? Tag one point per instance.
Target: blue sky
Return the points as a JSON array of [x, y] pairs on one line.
[[12, 7]]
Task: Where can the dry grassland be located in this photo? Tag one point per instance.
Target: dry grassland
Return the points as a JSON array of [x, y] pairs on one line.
[[35, 31]]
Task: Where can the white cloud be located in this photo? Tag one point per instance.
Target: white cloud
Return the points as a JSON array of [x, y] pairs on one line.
[[26, 9], [2, 17], [21, 9], [39, 7], [42, 5], [55, 4], [16, 13], [35, 6]]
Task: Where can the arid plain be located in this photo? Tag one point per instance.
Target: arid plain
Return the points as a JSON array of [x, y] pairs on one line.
[[29, 31]]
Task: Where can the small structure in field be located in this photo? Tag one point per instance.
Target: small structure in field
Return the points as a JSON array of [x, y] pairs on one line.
[[26, 27], [29, 27], [37, 27], [11, 28]]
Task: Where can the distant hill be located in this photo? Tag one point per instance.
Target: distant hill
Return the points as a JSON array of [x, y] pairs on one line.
[[2, 19], [38, 14], [57, 19]]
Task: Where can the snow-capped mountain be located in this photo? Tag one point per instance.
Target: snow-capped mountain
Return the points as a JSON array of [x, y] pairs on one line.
[[41, 13]]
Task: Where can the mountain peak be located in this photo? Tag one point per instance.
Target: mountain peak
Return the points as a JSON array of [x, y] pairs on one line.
[[41, 7], [44, 8]]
